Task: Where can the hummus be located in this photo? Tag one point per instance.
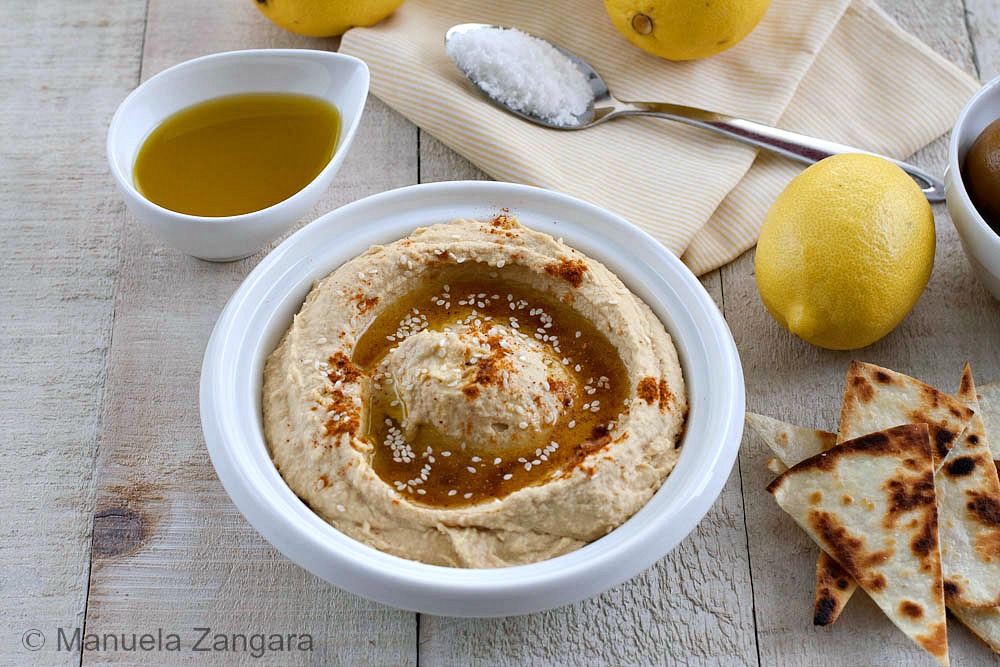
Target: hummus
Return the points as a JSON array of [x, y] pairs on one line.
[[476, 394]]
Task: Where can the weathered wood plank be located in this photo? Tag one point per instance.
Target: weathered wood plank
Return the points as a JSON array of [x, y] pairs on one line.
[[64, 69], [693, 607], [170, 550], [954, 321], [983, 20]]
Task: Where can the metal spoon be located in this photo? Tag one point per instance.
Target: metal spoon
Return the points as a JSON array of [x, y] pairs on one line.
[[605, 107]]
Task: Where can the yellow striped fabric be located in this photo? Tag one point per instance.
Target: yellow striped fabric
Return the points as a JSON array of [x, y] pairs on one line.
[[834, 68]]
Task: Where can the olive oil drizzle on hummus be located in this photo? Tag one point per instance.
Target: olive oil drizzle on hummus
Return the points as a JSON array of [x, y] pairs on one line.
[[503, 325]]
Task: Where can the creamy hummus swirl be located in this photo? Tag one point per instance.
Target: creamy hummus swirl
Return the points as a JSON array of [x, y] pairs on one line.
[[476, 394]]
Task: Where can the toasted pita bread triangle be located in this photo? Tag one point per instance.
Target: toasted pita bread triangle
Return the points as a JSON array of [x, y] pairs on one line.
[[877, 398], [968, 496], [793, 444], [984, 623], [870, 503], [834, 587], [790, 443], [989, 404], [775, 465]]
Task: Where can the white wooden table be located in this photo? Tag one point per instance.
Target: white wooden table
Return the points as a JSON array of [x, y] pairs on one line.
[[113, 520]]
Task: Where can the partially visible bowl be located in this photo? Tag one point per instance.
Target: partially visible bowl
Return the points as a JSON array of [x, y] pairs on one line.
[[980, 243], [262, 309], [340, 80]]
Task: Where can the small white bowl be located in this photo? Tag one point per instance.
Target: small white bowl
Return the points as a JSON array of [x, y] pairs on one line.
[[338, 79], [262, 308], [980, 243]]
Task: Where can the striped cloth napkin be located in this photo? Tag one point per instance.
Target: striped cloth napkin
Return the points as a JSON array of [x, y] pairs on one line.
[[838, 69]]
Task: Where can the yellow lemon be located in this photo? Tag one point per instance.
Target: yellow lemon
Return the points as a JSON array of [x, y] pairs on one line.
[[326, 18], [685, 29], [845, 251]]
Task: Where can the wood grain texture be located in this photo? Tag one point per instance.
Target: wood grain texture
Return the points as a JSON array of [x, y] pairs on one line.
[[170, 549], [954, 321], [97, 312], [982, 18], [63, 70], [692, 608]]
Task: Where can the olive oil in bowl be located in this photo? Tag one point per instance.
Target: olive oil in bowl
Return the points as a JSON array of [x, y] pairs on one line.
[[236, 154]]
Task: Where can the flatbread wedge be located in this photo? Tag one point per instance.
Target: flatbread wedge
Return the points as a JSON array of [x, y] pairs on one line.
[[793, 444], [790, 443], [870, 503], [968, 496], [989, 403], [775, 465], [984, 623], [877, 398]]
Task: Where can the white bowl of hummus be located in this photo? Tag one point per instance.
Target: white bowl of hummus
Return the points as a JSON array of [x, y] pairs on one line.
[[472, 399]]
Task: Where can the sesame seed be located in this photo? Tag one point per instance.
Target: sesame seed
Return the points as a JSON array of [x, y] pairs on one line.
[[467, 495], [471, 469], [341, 508], [508, 476]]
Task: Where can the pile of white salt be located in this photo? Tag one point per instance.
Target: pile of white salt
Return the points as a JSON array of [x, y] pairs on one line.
[[523, 72]]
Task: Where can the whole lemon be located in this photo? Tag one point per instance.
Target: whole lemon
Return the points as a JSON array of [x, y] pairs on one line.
[[685, 29], [326, 18], [845, 251]]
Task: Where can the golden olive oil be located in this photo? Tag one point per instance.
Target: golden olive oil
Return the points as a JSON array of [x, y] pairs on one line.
[[237, 154]]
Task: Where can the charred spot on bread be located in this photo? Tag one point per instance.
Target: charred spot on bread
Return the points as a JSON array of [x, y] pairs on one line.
[[961, 466]]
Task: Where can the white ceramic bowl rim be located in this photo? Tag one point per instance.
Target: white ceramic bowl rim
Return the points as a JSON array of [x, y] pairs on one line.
[[125, 179], [261, 309], [955, 161]]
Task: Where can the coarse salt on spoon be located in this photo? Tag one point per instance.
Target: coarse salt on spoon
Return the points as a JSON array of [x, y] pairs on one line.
[[547, 85]]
